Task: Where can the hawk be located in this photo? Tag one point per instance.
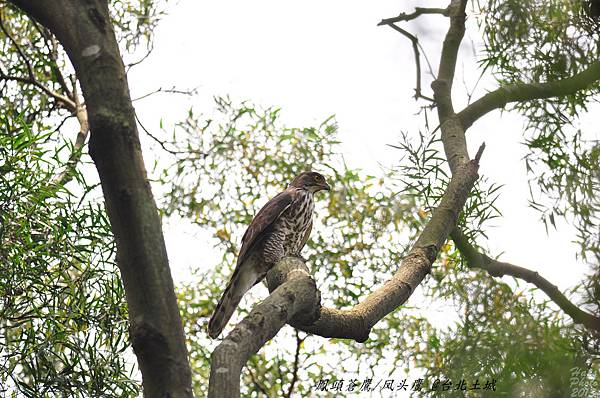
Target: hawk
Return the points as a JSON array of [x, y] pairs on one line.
[[281, 228]]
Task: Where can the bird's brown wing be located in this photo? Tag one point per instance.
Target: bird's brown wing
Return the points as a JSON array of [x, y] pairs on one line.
[[263, 220]]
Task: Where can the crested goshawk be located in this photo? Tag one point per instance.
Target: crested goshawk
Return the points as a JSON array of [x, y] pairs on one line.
[[281, 228]]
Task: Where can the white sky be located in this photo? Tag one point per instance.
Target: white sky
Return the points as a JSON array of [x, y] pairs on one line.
[[318, 58]]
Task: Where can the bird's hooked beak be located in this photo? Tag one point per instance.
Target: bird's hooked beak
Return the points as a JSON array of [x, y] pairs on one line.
[[325, 187]]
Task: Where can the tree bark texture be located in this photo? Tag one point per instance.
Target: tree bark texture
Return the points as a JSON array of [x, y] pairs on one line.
[[296, 297], [84, 29]]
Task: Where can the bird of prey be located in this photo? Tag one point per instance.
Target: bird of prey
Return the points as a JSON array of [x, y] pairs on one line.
[[281, 228]]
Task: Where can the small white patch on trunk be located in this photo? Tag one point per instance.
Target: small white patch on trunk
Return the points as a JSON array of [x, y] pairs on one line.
[[222, 370], [89, 51]]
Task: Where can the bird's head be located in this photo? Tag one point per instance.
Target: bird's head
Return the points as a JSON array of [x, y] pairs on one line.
[[311, 181]]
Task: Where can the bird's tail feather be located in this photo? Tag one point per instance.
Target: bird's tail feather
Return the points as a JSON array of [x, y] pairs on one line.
[[241, 281]]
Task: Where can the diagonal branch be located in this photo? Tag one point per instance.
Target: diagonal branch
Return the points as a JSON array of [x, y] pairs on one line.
[[414, 40], [257, 383], [476, 259], [85, 31], [52, 46], [529, 91], [294, 298]]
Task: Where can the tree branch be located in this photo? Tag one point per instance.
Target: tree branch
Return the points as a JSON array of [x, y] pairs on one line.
[[476, 259], [296, 365], [296, 296], [293, 291], [257, 384], [453, 134], [52, 46], [171, 90], [68, 171], [70, 101], [415, 45], [417, 13], [529, 91]]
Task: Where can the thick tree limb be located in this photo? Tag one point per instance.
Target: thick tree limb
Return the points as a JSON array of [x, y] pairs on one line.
[[527, 92], [356, 323], [85, 31], [453, 134], [476, 259], [297, 297]]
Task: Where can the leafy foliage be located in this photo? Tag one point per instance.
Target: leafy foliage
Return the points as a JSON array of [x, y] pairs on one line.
[[63, 315], [62, 312], [423, 175], [500, 333], [543, 41]]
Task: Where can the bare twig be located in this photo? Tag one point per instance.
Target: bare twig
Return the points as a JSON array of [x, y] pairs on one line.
[[142, 59], [162, 144], [417, 53], [417, 13], [417, 49], [256, 383], [171, 90], [476, 259], [299, 342]]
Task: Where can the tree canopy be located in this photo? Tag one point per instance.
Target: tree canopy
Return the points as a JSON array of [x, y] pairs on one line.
[[84, 278]]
